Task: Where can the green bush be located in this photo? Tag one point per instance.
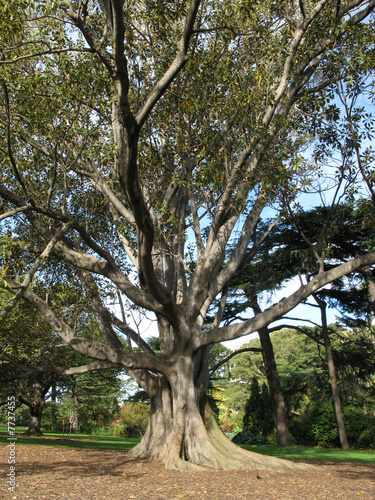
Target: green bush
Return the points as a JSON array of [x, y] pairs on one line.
[[360, 428], [118, 430], [134, 419], [300, 427], [249, 436], [317, 426], [101, 430], [258, 410], [324, 427], [367, 437]]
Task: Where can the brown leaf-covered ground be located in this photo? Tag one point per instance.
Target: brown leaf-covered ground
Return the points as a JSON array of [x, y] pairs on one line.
[[62, 473]]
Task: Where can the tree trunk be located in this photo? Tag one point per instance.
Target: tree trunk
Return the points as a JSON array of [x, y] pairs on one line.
[[277, 399], [53, 409], [35, 421], [182, 432], [370, 283], [75, 423], [35, 401], [332, 375]]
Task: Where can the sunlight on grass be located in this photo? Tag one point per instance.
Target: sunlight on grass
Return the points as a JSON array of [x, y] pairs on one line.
[[310, 453]]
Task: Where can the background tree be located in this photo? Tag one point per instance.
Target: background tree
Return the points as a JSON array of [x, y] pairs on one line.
[[92, 399], [138, 141], [258, 410]]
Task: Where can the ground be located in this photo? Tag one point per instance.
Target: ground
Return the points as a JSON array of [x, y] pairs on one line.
[[65, 473]]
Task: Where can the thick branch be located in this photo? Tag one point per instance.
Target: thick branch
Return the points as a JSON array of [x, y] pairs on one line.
[[275, 312], [91, 348]]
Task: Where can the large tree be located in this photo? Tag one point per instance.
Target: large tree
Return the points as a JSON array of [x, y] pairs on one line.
[[139, 142]]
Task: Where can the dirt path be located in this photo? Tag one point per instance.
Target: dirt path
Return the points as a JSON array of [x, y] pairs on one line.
[[62, 473]]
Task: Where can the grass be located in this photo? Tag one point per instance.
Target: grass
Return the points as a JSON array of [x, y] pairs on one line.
[[311, 453], [122, 444], [75, 441]]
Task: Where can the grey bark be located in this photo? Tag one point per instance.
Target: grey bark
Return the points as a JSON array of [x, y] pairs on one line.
[[277, 399], [332, 376]]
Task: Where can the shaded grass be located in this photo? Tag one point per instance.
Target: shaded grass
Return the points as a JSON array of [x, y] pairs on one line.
[[94, 442], [310, 453], [75, 441]]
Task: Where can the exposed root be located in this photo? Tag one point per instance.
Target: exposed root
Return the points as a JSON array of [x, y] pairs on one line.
[[200, 445]]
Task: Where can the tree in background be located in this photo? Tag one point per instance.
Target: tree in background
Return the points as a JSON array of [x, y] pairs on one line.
[[91, 399], [258, 410], [299, 246], [139, 143], [28, 360]]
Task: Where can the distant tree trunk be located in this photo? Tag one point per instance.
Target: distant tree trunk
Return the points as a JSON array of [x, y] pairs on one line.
[[332, 375], [75, 422], [35, 421], [277, 399], [53, 409], [35, 401], [370, 283], [283, 437]]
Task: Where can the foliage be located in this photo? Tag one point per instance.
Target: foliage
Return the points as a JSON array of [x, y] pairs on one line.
[[93, 397], [317, 426], [249, 436], [134, 419], [303, 373], [258, 410]]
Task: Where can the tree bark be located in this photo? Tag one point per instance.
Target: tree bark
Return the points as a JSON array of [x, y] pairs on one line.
[[332, 375], [53, 409], [370, 283], [283, 436], [36, 404], [35, 421], [183, 434], [75, 422], [277, 399]]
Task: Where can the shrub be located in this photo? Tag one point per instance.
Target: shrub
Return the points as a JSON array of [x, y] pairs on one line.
[[101, 430], [118, 430], [317, 426], [249, 436], [360, 428], [258, 410], [134, 419], [367, 437]]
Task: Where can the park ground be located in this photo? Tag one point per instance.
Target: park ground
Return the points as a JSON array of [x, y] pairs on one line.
[[49, 472]]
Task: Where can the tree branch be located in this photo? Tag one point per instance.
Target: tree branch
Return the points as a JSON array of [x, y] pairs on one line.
[[230, 356], [261, 320], [176, 66]]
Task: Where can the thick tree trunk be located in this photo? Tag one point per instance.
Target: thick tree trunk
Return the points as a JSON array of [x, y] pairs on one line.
[[277, 399], [35, 421], [332, 375], [183, 434], [36, 404]]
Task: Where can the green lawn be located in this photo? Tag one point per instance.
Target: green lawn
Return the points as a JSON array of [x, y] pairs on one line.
[[120, 443], [75, 441], [309, 453]]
